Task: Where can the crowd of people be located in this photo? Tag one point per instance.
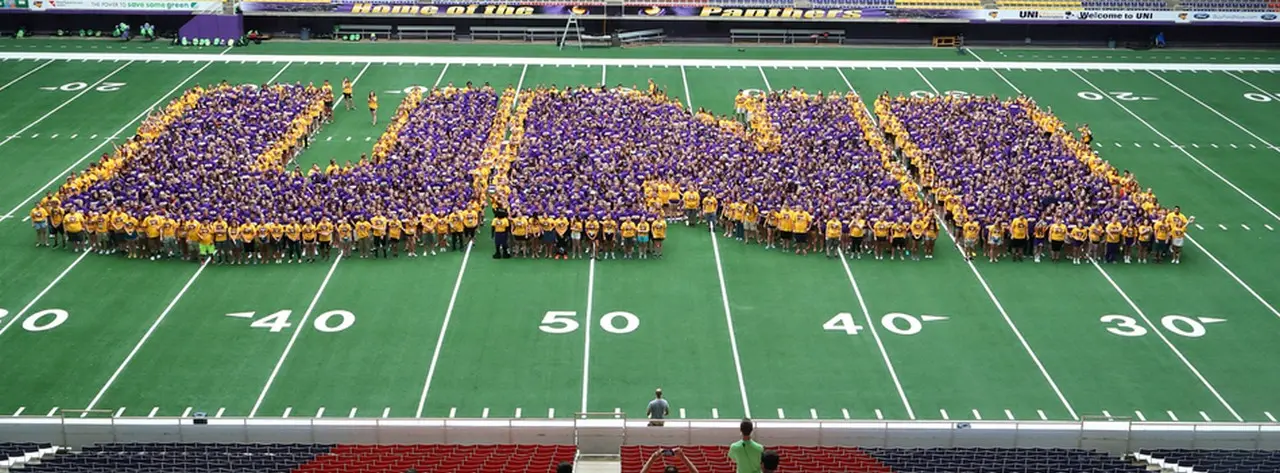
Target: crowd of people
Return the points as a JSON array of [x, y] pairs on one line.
[[597, 172], [209, 176], [1013, 181]]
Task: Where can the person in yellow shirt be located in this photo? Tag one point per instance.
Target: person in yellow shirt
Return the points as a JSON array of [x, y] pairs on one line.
[[800, 229], [1096, 233], [501, 231], [608, 236], [1057, 239], [898, 239], [56, 231], [346, 238], [628, 231], [234, 243], [1130, 234], [1040, 236], [995, 240], [220, 242], [691, 201], [373, 107], [73, 224], [1079, 237], [40, 220], [378, 234], [470, 222], [709, 207], [131, 243], [293, 241], [930, 236], [347, 91], [169, 236], [971, 233], [1019, 231], [835, 229], [457, 230], [395, 232], [363, 237], [309, 233], [1113, 236], [659, 229], [786, 225], [427, 233], [1177, 233], [204, 237], [592, 229], [275, 241], [857, 234], [1145, 239], [152, 226], [249, 243], [575, 237], [644, 237], [324, 237]]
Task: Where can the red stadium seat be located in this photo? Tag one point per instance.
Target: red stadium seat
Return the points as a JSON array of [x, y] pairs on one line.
[[440, 459], [714, 459]]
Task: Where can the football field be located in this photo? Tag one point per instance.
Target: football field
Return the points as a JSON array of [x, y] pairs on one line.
[[725, 329]]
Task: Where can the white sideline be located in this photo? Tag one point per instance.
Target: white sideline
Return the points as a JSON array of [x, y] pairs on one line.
[[613, 62]]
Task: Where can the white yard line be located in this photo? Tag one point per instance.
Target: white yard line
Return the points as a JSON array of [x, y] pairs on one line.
[[65, 103], [688, 99], [1215, 112], [1171, 415], [604, 75], [441, 76], [1183, 150], [281, 71], [444, 329], [1156, 330], [936, 93], [586, 329], [186, 412], [520, 85], [221, 411], [767, 86], [997, 71], [62, 175], [23, 408], [146, 336], [1000, 307], [728, 318], [24, 76], [871, 325], [1239, 281], [33, 302], [302, 326], [1250, 84]]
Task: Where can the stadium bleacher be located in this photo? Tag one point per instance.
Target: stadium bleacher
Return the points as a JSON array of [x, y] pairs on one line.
[[1216, 461], [713, 459], [183, 457], [440, 459], [1125, 5], [938, 4], [1039, 5]]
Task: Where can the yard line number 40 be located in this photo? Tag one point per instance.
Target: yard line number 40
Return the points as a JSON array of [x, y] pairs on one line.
[[328, 322]]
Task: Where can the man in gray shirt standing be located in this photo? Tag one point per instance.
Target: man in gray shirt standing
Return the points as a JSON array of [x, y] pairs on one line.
[[658, 409]]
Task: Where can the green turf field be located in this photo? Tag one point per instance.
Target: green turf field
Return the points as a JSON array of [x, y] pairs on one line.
[[726, 330]]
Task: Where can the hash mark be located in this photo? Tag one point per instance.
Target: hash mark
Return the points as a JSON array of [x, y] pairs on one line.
[[1136, 145], [1214, 145], [551, 413], [1140, 416], [681, 412], [453, 412], [1233, 146], [51, 411], [54, 137], [1193, 145], [1009, 414], [119, 412], [1205, 416], [23, 408], [518, 412], [1251, 145], [1157, 144], [781, 415], [1171, 415], [1246, 227], [287, 411], [1042, 416], [1198, 227], [845, 412], [35, 135], [348, 138], [813, 413], [352, 415], [320, 412], [74, 135], [221, 410], [1107, 415], [944, 414], [386, 412], [976, 415], [1223, 227], [1269, 416], [153, 412], [186, 412], [879, 415], [484, 414], [329, 138], [1269, 227], [715, 413]]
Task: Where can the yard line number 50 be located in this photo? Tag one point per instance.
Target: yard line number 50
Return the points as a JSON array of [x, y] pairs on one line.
[[565, 321]]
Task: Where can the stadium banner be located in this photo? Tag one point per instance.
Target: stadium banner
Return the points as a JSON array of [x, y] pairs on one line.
[[125, 6], [1070, 16], [516, 9], [1234, 17]]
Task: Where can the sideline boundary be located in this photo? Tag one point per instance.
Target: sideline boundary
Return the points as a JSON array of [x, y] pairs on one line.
[[637, 62]]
